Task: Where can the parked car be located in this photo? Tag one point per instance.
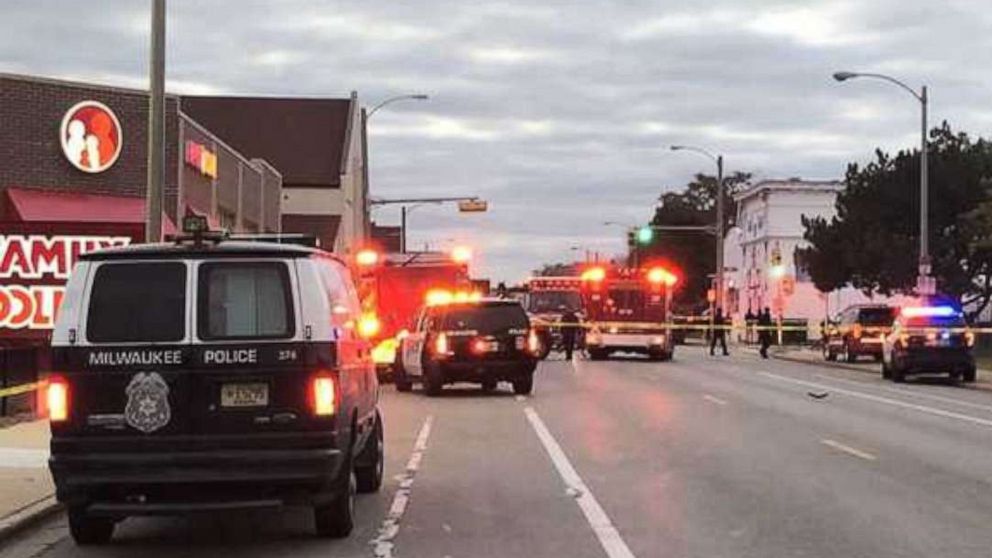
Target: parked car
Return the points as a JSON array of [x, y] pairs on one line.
[[858, 331]]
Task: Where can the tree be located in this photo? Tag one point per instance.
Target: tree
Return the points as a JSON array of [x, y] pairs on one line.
[[692, 251], [872, 242]]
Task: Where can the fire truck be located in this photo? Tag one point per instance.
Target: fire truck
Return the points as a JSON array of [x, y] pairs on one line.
[[546, 301], [627, 310], [393, 287]]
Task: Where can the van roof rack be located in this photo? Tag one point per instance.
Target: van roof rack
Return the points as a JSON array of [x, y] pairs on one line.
[[298, 239]]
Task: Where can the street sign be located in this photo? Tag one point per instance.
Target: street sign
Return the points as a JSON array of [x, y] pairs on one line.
[[473, 206]]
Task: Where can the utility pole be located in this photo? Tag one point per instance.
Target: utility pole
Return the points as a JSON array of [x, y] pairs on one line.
[[718, 279], [156, 125]]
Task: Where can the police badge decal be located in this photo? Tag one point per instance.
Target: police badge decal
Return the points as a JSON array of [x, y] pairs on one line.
[[147, 407]]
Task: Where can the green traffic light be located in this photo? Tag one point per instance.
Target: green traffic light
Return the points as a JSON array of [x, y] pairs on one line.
[[644, 235]]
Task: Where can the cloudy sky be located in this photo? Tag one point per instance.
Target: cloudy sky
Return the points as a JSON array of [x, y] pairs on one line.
[[558, 113]]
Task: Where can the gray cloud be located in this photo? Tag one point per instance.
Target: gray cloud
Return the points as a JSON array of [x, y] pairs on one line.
[[558, 112]]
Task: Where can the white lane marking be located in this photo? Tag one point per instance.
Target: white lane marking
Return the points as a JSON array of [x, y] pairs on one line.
[[879, 399], [382, 544], [848, 449], [605, 531], [713, 399], [921, 395]]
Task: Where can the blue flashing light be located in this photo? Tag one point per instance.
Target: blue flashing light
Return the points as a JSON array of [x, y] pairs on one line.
[[929, 312]]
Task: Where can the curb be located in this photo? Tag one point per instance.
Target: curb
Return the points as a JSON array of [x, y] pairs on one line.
[[981, 386], [27, 516]]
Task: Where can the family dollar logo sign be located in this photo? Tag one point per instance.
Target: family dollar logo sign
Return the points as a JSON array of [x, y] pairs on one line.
[[33, 271], [91, 136]]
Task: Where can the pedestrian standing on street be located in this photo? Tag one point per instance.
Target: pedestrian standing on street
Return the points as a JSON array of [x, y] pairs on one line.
[[569, 329], [719, 332], [765, 333], [749, 319]]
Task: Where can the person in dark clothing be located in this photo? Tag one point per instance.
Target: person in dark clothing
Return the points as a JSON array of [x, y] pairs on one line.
[[719, 333], [765, 335], [569, 330], [749, 319]]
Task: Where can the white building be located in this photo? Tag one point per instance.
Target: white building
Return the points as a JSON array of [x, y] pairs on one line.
[[769, 227]]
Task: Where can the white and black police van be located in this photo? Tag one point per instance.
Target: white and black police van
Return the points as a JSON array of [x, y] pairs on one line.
[[209, 375]]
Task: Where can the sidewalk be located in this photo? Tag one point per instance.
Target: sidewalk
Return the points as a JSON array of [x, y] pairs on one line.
[[813, 356], [26, 489]]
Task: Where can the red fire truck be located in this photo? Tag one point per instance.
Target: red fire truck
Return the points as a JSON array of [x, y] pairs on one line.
[[627, 310], [546, 301], [393, 287]]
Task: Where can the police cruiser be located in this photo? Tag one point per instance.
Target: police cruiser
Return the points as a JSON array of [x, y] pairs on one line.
[[209, 374]]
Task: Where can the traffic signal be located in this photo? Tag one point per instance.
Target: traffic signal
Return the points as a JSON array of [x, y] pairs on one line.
[[645, 234]]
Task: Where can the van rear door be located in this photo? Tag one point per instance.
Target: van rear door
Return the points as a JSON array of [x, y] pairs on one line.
[[126, 362], [251, 371]]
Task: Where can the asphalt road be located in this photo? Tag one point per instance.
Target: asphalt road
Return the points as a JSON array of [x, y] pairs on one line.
[[702, 457]]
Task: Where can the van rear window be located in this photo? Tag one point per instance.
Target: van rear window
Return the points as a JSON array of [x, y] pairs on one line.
[[137, 302], [245, 300]]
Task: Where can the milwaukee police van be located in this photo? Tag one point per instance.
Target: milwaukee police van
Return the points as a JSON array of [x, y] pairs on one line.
[[211, 375]]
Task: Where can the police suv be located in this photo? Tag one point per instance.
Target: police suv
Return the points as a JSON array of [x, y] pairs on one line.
[[211, 375]]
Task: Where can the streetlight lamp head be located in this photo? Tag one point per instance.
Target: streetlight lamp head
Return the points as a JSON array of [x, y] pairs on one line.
[[676, 147], [420, 97], [842, 76]]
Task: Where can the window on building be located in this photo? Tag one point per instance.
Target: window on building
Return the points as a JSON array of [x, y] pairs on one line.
[[802, 266]]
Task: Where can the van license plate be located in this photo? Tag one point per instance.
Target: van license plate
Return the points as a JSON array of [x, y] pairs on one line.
[[244, 395]]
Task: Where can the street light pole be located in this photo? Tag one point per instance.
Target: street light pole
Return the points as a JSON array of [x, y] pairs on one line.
[[415, 202], [924, 284], [720, 186], [156, 126], [366, 115]]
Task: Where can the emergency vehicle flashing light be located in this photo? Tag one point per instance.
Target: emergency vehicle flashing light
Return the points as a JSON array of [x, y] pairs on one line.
[[440, 297], [369, 326], [461, 254], [929, 312], [660, 275], [594, 274], [367, 258]]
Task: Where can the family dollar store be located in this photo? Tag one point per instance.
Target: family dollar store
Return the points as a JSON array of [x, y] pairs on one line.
[[73, 175]]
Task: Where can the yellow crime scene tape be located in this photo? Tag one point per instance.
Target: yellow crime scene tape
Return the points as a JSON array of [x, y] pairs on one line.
[[22, 388], [704, 326]]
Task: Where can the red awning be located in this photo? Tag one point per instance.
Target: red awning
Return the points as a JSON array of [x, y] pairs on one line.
[[39, 205]]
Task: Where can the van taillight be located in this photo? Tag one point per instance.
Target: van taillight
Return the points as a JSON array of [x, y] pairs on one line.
[[324, 396], [58, 400]]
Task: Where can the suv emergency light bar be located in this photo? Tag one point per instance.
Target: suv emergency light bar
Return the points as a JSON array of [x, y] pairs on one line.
[[929, 312]]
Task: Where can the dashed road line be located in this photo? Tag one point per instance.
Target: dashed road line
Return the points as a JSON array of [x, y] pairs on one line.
[[714, 399], [848, 449], [382, 544], [879, 399], [606, 532]]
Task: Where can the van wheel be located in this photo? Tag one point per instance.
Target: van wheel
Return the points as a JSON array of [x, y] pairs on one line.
[[970, 375], [597, 354], [524, 386], [336, 519], [400, 379], [897, 374], [432, 382], [370, 462], [89, 530], [489, 386]]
